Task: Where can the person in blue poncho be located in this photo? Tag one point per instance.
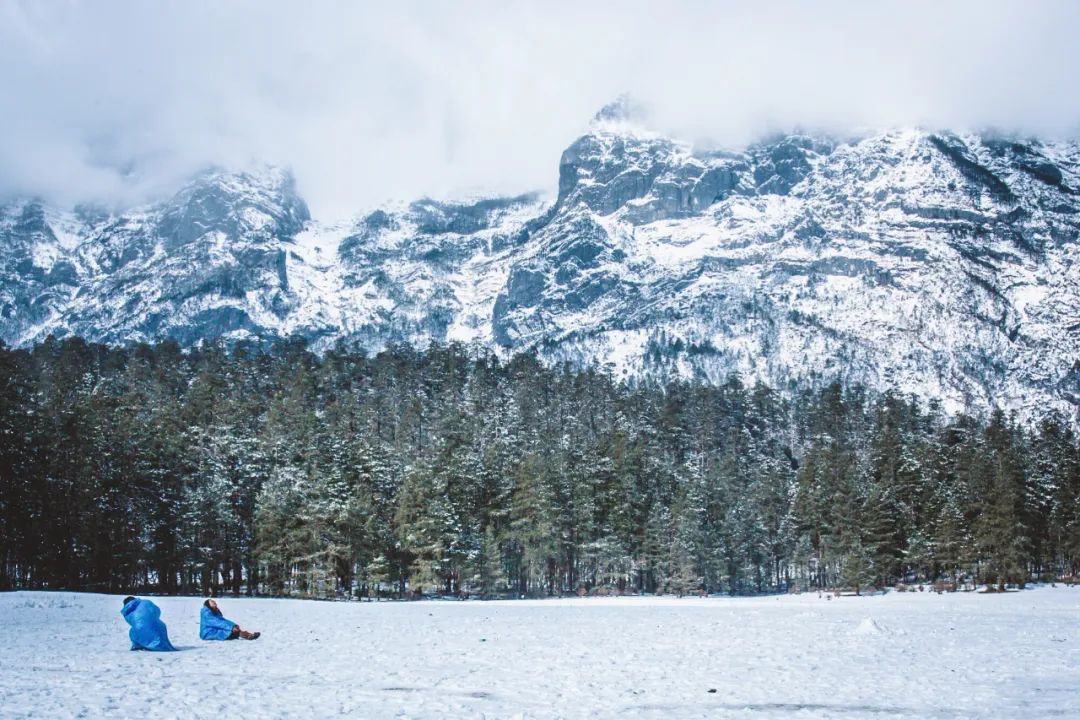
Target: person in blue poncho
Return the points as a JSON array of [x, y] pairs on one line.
[[212, 626], [147, 632]]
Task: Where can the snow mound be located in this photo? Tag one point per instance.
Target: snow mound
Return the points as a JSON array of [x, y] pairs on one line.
[[48, 603], [869, 626]]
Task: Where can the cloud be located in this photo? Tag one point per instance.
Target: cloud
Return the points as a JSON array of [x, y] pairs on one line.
[[121, 101]]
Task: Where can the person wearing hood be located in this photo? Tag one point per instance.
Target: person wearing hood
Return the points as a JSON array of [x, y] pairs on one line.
[[212, 626], [147, 631]]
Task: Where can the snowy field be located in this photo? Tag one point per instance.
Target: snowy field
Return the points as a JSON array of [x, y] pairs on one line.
[[900, 655]]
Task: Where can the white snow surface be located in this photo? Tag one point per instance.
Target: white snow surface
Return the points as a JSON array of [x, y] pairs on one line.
[[962, 655]]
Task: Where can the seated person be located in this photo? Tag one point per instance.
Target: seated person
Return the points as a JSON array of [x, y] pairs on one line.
[[147, 632], [212, 626]]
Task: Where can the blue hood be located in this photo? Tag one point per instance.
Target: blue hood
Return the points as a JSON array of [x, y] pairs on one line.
[[147, 632]]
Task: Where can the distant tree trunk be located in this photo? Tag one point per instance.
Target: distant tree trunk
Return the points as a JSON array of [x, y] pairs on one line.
[[237, 577]]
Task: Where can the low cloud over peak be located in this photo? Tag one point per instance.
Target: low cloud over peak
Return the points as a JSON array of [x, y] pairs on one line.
[[117, 102]]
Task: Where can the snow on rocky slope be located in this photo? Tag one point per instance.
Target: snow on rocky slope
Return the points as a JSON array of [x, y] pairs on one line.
[[943, 264]]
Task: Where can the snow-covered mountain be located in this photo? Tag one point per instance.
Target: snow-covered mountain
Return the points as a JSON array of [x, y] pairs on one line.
[[943, 264]]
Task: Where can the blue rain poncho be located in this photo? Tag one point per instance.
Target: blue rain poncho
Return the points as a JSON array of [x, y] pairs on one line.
[[214, 627], [147, 632]]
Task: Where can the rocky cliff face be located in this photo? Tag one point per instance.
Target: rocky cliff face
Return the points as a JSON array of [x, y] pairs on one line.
[[211, 261], [942, 264]]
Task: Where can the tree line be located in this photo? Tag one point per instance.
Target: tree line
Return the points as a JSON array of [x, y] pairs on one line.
[[268, 469]]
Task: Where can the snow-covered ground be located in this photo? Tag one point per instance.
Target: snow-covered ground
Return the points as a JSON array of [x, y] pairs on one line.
[[913, 655]]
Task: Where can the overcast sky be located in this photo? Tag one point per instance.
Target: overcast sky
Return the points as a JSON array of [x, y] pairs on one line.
[[116, 102]]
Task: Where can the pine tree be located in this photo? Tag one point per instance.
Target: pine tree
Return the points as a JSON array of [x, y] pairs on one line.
[[1001, 535], [488, 578]]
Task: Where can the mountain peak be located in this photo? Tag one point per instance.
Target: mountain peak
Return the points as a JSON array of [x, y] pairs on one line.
[[258, 178], [623, 110]]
